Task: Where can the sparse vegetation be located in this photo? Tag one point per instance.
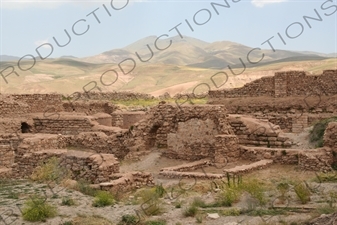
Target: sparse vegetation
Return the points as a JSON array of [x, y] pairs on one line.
[[302, 192], [191, 211], [50, 171], [317, 132], [103, 198], [128, 219], [37, 209], [67, 201]]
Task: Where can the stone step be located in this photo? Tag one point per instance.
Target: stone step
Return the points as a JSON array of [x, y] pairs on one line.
[[250, 167]]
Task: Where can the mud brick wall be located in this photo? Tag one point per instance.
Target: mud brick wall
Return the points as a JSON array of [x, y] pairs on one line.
[[10, 125], [226, 148], [261, 87], [11, 108], [92, 167], [119, 144], [112, 96], [39, 142], [330, 139], [262, 135], [320, 160], [40, 102], [117, 119], [283, 84], [89, 107], [308, 159], [6, 155], [130, 118], [67, 125], [187, 132]]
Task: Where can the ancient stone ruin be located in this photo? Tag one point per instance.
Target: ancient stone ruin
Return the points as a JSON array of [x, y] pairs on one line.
[[91, 135]]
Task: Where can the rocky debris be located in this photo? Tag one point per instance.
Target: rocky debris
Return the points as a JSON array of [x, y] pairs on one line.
[[213, 215], [330, 219]]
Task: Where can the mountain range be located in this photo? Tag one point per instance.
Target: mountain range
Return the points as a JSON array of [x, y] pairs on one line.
[[179, 68]]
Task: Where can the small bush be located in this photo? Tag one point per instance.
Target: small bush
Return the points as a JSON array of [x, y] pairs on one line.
[[128, 220], [50, 171], [255, 189], [228, 196], [67, 201], [155, 222], [317, 133], [103, 198], [303, 193], [160, 190], [36, 209], [191, 211], [198, 202], [232, 212], [68, 223]]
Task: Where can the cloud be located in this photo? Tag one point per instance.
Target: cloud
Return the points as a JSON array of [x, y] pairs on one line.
[[261, 3]]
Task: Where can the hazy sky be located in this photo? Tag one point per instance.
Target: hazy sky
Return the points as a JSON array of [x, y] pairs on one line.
[[26, 24]]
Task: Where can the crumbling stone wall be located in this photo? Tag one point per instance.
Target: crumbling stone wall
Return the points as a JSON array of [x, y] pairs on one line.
[[7, 155], [12, 108], [330, 139], [92, 167], [89, 107], [62, 124], [112, 96], [187, 132], [40, 102], [119, 144], [252, 132], [307, 159], [261, 87], [283, 84]]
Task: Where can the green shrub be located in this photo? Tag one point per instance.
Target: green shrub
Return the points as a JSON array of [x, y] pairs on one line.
[[191, 211], [160, 190], [67, 201], [232, 212], [103, 198], [50, 171], [37, 209], [198, 202], [68, 223], [228, 196], [155, 222], [317, 133], [128, 220], [255, 189], [302, 192]]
